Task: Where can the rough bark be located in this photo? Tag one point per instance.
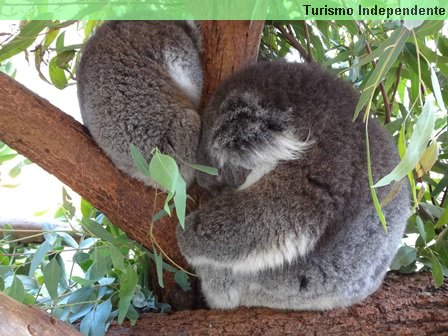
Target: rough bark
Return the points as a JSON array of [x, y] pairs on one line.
[[405, 305], [227, 47], [18, 319]]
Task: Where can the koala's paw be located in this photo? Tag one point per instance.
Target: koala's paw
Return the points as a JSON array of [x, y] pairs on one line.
[[220, 289]]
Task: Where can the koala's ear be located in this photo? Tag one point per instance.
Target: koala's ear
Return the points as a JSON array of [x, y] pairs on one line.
[[236, 101]]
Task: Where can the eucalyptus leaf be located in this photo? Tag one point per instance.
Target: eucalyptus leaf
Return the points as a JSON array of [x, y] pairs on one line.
[[182, 280], [97, 230], [26, 37], [180, 199], [417, 144], [163, 169], [204, 169], [405, 256], [128, 283], [52, 273], [139, 160], [392, 48], [57, 74], [436, 270], [159, 267], [39, 256], [16, 291]]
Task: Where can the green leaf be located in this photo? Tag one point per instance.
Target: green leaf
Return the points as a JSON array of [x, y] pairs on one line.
[[443, 219], [421, 228], [429, 27], [86, 324], [100, 316], [139, 160], [39, 256], [52, 273], [182, 280], [392, 48], [417, 145], [99, 265], [436, 270], [16, 291], [437, 91], [132, 315], [68, 239], [82, 281], [60, 42], [376, 202], [97, 230], [67, 203], [7, 157], [128, 283], [204, 169], [163, 169], [26, 37], [159, 267], [57, 75], [64, 58], [162, 213], [87, 209], [405, 256], [50, 36], [117, 258], [180, 200]]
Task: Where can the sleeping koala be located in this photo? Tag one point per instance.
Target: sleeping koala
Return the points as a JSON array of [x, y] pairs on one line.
[[293, 224], [140, 82]]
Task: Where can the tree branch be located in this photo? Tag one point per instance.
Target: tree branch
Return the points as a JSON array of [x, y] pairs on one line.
[[397, 82], [18, 319], [32, 231], [308, 41], [405, 305], [295, 43]]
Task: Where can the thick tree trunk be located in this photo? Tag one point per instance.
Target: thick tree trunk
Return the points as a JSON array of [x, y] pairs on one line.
[[405, 305], [16, 319]]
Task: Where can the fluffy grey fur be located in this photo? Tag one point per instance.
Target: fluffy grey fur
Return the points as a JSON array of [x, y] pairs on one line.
[[303, 232], [140, 82]]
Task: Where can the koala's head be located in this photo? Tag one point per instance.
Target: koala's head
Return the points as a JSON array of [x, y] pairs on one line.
[[245, 131]]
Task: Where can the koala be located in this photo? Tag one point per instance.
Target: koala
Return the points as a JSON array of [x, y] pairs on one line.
[[292, 224], [140, 82]]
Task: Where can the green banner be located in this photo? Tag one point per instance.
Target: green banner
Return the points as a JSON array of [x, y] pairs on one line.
[[223, 9]]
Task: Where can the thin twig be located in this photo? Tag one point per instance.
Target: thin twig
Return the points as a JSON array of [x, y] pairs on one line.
[[442, 202], [433, 201], [308, 41], [294, 43], [397, 82], [381, 85]]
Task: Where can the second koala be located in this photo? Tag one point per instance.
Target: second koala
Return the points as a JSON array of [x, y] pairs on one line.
[[293, 224], [139, 82]]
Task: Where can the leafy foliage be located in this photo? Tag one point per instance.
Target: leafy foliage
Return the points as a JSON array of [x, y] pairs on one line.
[[93, 275]]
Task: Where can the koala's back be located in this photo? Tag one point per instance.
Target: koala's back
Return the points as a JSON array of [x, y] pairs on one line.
[[140, 82], [304, 234]]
